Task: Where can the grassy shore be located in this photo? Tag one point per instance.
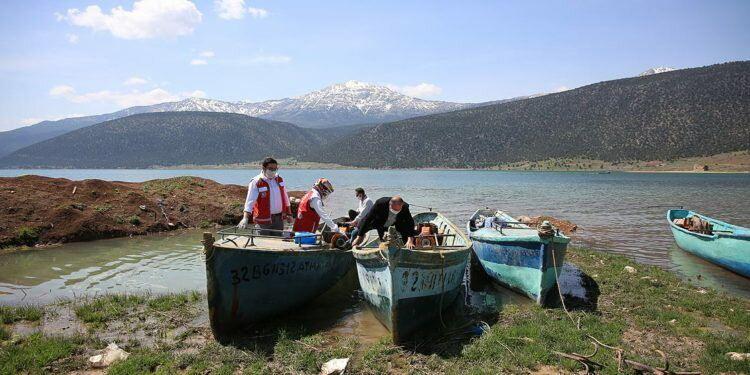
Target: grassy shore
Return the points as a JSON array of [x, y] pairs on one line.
[[636, 313]]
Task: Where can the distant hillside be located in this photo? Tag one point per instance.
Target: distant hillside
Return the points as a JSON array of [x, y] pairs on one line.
[[171, 138], [690, 112], [342, 104]]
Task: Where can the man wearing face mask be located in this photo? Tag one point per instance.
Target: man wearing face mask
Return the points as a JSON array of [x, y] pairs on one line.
[[312, 208], [267, 202], [386, 212]]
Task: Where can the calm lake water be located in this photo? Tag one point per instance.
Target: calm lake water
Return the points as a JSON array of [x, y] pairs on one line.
[[622, 213]]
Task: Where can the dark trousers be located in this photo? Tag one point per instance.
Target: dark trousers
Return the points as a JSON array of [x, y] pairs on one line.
[[276, 224]]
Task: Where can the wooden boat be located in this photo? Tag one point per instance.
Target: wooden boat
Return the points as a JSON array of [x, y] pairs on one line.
[[409, 288], [251, 277], [515, 256], [727, 245]]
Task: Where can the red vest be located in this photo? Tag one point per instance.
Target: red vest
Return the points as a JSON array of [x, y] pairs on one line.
[[307, 218], [262, 208]]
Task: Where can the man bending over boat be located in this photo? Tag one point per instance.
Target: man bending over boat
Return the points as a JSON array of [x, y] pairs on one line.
[[267, 202], [386, 211], [312, 208]]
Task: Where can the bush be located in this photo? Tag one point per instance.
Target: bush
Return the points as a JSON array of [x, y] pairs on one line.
[[26, 236], [135, 220]]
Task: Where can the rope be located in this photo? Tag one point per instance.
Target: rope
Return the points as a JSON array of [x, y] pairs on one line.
[[442, 288]]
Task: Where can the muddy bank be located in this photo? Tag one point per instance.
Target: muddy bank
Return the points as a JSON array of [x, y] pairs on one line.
[[40, 210]]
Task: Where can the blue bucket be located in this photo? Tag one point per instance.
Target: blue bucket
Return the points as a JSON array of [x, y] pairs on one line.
[[305, 238]]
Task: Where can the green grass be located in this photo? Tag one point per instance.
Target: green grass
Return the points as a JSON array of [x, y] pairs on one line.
[[651, 309], [173, 301], [104, 309], [12, 314], [34, 353]]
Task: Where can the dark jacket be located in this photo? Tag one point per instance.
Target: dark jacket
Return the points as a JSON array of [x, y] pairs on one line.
[[378, 214]]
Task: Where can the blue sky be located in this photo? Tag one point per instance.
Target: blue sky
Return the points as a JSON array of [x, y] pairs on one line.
[[62, 58]]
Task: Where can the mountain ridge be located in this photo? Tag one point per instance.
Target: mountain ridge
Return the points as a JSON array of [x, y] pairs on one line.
[[348, 103]]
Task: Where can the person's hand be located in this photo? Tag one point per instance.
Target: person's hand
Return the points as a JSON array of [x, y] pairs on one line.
[[353, 223], [243, 223], [287, 217], [410, 243], [335, 229]]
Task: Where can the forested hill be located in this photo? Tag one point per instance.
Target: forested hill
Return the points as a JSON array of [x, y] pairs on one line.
[[689, 112], [170, 138]]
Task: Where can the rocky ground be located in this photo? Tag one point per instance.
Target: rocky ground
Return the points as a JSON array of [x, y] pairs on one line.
[[40, 210]]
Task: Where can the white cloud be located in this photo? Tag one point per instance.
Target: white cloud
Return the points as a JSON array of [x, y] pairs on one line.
[[36, 120], [422, 90], [562, 88], [148, 19], [198, 62], [235, 10], [134, 81], [122, 99], [208, 54], [230, 9], [72, 38], [257, 12]]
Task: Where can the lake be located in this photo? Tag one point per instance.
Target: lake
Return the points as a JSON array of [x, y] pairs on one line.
[[622, 213]]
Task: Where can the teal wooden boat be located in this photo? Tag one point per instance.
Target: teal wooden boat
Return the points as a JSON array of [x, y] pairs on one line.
[[515, 256], [408, 289], [727, 246], [253, 277]]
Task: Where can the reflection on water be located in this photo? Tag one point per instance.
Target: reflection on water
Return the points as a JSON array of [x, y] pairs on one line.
[[146, 264]]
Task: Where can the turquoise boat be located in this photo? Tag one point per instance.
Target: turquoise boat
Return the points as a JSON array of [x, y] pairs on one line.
[[727, 246], [408, 289], [252, 277], [515, 256]]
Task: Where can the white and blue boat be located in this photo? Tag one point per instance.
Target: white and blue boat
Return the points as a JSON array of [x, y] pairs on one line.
[[515, 256], [252, 277], [408, 288], [726, 245]]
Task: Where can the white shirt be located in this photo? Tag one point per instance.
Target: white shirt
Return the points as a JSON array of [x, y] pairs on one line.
[[276, 205], [364, 207], [317, 204]]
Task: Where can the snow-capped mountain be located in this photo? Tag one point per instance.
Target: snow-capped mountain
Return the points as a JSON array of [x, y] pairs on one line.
[[657, 70], [352, 102]]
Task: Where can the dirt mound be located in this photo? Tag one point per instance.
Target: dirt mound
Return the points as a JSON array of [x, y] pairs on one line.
[[565, 226], [44, 210]]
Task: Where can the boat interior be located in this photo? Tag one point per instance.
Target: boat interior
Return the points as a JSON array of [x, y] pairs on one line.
[[434, 232], [498, 223], [697, 223], [277, 240]]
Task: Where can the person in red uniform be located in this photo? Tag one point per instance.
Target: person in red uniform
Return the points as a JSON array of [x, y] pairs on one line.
[[312, 208], [267, 202]]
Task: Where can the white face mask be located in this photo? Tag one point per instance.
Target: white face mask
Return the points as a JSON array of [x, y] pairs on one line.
[[394, 211], [269, 174]]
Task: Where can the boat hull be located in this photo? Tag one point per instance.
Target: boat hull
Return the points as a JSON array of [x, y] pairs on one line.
[[246, 286], [411, 289], [729, 251], [525, 266]]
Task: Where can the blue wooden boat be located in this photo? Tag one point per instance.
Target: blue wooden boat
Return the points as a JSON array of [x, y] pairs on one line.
[[515, 256], [408, 289], [727, 246], [253, 277]]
